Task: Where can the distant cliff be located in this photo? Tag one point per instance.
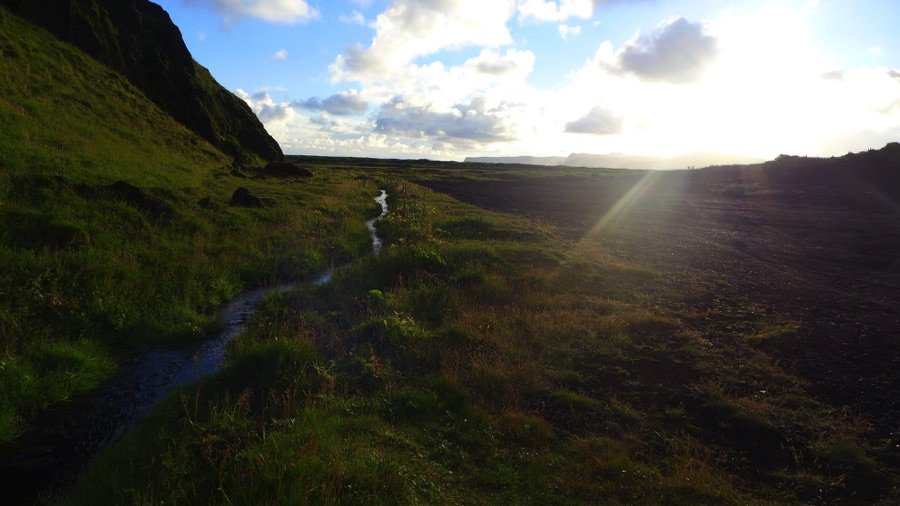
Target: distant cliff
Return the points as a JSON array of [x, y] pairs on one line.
[[623, 161], [525, 160], [138, 39]]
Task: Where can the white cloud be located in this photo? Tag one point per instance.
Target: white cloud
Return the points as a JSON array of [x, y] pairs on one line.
[[276, 11], [598, 121], [347, 103], [271, 113], [875, 90], [461, 125], [555, 11], [427, 105], [753, 95], [410, 29], [321, 134], [354, 18], [512, 62], [280, 55], [684, 86], [811, 6], [677, 51], [567, 31]]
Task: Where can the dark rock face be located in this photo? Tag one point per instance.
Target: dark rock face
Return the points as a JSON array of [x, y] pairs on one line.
[[285, 169], [138, 39], [243, 198]]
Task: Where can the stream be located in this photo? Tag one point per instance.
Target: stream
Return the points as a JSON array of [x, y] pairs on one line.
[[50, 454]]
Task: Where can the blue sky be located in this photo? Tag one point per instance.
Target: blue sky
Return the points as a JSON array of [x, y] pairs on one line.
[[447, 79]]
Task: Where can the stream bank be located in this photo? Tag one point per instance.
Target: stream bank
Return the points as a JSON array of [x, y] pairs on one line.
[[49, 455]]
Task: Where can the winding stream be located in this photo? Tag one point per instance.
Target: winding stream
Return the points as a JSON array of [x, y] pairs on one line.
[[70, 435], [381, 200]]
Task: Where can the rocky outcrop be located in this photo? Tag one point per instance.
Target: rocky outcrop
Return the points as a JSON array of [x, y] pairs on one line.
[[285, 169], [243, 198], [138, 39]]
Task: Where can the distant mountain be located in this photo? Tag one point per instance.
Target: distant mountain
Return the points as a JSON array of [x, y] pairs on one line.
[[622, 161], [526, 160], [138, 39], [612, 160], [873, 161]]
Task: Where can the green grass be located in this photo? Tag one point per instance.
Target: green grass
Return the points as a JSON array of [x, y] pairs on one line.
[[93, 271], [64, 114], [481, 358], [478, 368]]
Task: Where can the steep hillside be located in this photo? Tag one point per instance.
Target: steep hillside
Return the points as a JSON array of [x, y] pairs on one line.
[[115, 228], [62, 113], [70, 125], [138, 39]]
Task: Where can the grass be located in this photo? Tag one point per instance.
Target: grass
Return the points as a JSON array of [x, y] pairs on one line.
[[115, 228], [481, 358], [63, 114], [474, 368]]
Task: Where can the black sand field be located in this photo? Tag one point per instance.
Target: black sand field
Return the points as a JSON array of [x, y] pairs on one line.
[[812, 242]]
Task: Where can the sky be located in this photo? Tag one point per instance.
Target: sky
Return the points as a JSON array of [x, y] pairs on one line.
[[446, 79]]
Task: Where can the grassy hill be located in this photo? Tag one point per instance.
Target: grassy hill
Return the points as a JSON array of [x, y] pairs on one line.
[[115, 228], [137, 39], [63, 113]]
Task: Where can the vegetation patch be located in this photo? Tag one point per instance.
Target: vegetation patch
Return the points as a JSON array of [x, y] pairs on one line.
[[454, 369], [115, 229]]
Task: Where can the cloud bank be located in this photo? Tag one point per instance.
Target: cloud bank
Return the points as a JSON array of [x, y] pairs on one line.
[[448, 78], [598, 121], [275, 11], [410, 29], [677, 51], [340, 104], [463, 124], [555, 11]]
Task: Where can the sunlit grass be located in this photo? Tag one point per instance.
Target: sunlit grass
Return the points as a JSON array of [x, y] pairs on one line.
[[477, 366]]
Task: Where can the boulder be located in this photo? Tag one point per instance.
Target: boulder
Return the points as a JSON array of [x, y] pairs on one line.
[[243, 198], [285, 169]]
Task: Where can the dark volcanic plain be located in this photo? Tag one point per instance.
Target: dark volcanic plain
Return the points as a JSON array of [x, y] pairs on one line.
[[812, 242]]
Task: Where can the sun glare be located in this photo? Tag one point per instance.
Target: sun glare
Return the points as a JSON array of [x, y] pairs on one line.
[[752, 80], [763, 95], [769, 91]]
